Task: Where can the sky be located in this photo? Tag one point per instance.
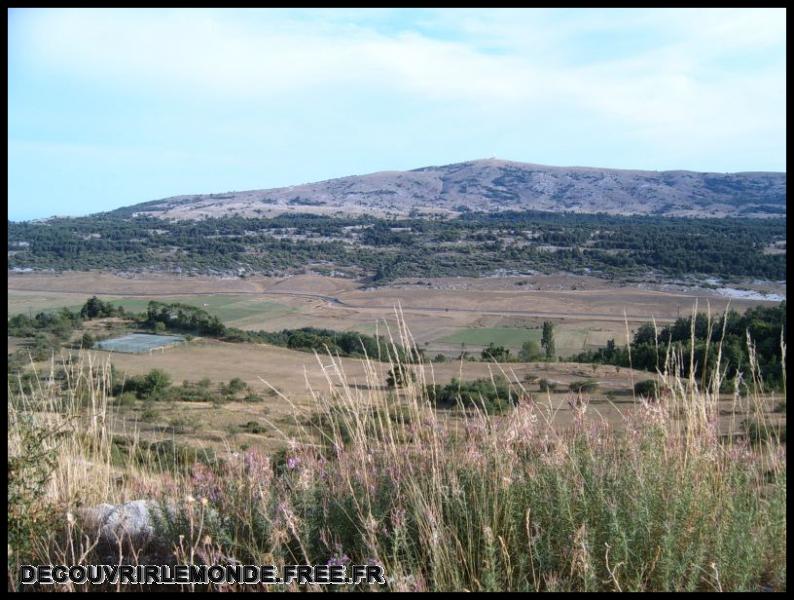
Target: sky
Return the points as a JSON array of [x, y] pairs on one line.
[[111, 107]]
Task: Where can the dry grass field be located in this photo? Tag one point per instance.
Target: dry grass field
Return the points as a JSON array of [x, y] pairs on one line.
[[290, 382], [443, 313], [570, 458]]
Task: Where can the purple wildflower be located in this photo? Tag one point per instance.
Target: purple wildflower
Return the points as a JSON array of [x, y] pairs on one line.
[[338, 561]]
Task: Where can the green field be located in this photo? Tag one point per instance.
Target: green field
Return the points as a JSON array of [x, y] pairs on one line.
[[501, 336]]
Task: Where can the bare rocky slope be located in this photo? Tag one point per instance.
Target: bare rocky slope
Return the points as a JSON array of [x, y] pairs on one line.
[[498, 185]]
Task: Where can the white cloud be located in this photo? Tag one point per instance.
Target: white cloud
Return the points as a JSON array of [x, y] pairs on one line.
[[498, 63]]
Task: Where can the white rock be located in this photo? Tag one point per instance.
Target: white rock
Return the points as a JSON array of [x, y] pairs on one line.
[[133, 520]]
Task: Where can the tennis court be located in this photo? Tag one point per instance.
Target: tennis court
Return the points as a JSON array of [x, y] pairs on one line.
[[139, 343]]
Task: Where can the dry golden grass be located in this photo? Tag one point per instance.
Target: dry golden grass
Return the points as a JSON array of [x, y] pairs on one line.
[[442, 500]]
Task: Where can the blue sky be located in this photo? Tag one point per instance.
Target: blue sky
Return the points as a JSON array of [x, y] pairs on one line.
[[112, 107]]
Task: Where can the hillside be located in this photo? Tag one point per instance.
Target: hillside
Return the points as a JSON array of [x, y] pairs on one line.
[[496, 185]]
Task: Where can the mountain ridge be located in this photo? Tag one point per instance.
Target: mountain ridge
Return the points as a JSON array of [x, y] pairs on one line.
[[494, 185]]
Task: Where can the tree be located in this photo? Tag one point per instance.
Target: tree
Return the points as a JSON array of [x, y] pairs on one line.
[[529, 351], [92, 308], [547, 340]]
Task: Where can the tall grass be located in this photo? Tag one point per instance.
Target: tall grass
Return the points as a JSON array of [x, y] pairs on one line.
[[443, 500]]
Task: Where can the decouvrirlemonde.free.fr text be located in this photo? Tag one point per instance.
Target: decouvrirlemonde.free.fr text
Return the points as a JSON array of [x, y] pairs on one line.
[[202, 574]]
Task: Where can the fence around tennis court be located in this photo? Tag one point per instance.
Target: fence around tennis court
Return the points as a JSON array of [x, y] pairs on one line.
[[140, 343]]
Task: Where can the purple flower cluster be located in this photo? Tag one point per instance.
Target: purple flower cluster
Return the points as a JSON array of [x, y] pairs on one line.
[[256, 464], [205, 483], [338, 561]]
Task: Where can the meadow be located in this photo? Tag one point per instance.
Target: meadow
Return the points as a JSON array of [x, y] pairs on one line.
[[669, 495], [477, 474], [444, 312]]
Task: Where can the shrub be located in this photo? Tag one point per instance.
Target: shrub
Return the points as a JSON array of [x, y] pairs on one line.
[[494, 396], [167, 455], [153, 385], [583, 387], [759, 432], [150, 415], [125, 399], [530, 351], [545, 385], [182, 425], [235, 386], [399, 376], [254, 427], [31, 459], [87, 341], [495, 353], [648, 388]]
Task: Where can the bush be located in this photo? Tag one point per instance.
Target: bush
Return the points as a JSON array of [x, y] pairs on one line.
[[31, 459], [182, 425], [583, 387], [761, 432], [530, 351], [494, 396], [648, 388], [235, 386], [399, 376], [254, 427], [152, 386], [167, 455], [495, 353], [150, 415], [546, 385], [87, 341], [125, 399]]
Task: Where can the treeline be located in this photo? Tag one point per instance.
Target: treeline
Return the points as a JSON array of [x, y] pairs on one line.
[[384, 249], [51, 329], [313, 339], [47, 331], [764, 325], [62, 322], [184, 318], [161, 316]]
